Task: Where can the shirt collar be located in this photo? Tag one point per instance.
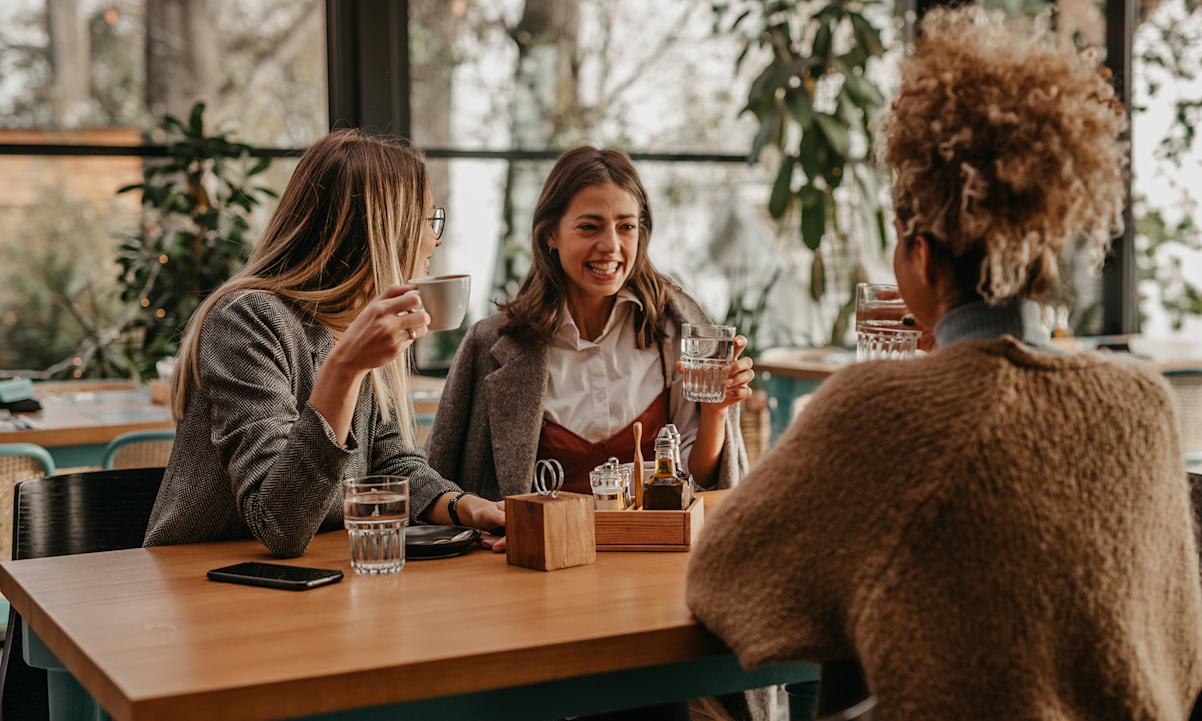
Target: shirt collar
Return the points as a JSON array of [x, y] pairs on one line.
[[1022, 319], [569, 332]]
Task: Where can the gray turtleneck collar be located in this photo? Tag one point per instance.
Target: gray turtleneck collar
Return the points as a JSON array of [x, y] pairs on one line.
[[1022, 319]]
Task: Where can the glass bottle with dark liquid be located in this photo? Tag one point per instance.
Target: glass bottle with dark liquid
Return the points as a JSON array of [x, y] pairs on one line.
[[666, 492]]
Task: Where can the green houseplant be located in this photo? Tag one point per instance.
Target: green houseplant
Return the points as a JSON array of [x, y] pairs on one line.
[[815, 104], [193, 236]]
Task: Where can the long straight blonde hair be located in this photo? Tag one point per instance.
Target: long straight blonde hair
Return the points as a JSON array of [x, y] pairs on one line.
[[347, 226]]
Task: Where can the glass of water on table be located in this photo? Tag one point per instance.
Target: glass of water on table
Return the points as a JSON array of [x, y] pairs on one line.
[[706, 351], [885, 330], [375, 511]]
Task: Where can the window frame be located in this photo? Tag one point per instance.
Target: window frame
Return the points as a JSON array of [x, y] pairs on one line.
[[364, 92]]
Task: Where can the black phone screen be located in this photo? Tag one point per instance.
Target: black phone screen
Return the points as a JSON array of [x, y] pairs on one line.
[[275, 575]]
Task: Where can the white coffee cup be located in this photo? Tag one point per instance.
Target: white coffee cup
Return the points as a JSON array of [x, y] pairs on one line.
[[445, 299]]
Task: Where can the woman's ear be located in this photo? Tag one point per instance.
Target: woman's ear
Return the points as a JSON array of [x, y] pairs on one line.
[[552, 241]]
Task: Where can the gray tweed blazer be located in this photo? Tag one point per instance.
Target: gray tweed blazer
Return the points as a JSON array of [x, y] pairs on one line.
[[486, 432], [252, 457]]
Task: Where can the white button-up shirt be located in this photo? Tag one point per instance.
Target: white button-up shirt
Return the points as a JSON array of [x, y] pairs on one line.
[[597, 388]]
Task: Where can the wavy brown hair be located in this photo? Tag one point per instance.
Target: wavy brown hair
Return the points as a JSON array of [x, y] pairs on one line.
[[347, 226], [537, 310], [1005, 144]]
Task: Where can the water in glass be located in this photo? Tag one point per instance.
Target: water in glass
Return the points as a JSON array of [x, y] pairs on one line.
[[883, 328], [706, 351], [375, 515]]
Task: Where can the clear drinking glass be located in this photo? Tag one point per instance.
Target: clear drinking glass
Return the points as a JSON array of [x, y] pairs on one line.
[[884, 327], [375, 512], [706, 350]]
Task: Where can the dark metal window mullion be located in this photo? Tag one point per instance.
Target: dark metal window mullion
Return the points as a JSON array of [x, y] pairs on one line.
[[1120, 278]]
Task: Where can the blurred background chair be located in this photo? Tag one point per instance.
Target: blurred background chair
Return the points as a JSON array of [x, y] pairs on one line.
[[1187, 394], [59, 516], [18, 462], [139, 449]]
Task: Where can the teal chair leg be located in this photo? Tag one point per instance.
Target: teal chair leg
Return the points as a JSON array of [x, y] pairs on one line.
[[69, 701]]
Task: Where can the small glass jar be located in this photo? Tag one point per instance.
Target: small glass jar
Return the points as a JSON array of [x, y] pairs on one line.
[[608, 493]]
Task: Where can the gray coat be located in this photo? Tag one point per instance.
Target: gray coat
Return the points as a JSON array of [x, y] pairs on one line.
[[252, 457], [486, 432]]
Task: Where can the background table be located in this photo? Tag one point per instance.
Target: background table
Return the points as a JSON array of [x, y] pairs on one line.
[[790, 373], [76, 427], [150, 638]]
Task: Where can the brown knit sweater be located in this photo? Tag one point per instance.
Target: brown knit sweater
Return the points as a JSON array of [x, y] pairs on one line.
[[993, 532]]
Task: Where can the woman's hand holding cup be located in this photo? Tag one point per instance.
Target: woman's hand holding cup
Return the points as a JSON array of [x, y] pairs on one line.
[[384, 329]]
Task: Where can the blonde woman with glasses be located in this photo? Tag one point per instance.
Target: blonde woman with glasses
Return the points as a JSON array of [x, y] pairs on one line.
[[293, 375]]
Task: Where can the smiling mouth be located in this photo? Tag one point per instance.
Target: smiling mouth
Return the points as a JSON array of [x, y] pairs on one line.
[[607, 270]]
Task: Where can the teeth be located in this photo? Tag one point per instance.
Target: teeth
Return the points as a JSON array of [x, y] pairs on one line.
[[603, 267]]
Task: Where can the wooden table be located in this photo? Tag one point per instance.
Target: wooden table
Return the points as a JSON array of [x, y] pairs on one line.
[[76, 427], [470, 637]]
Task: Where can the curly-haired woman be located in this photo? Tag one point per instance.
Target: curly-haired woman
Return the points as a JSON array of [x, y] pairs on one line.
[[996, 530]]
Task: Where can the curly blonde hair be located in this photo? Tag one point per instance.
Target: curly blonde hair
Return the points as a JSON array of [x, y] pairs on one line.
[[1005, 144]]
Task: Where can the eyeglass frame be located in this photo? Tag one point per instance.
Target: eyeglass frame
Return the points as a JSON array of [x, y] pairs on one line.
[[438, 222]]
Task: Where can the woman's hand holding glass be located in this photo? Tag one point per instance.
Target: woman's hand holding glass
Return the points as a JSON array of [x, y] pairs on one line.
[[384, 329], [737, 378]]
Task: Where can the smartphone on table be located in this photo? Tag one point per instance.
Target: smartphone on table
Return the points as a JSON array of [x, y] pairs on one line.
[[275, 575]]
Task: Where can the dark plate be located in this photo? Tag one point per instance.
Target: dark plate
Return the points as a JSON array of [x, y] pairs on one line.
[[439, 541]]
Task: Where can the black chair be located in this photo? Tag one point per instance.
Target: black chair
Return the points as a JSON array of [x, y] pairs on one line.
[[60, 516]]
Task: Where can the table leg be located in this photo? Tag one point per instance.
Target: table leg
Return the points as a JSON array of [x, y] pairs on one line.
[[69, 701], [803, 700]]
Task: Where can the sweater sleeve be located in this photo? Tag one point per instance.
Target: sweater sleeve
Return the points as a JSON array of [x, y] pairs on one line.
[[778, 561], [282, 459]]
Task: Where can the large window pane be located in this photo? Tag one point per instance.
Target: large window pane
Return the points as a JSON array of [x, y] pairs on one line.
[[58, 269], [552, 73], [260, 66], [1167, 161], [61, 223]]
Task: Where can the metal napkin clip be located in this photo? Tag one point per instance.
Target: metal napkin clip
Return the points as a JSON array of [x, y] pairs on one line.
[[548, 477]]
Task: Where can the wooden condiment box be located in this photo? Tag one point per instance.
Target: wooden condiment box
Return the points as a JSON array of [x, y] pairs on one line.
[[649, 530]]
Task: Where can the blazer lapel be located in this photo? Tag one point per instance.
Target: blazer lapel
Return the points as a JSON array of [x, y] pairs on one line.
[[515, 412]]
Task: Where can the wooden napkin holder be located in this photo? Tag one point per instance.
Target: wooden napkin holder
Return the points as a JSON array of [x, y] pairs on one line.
[[650, 530], [549, 533]]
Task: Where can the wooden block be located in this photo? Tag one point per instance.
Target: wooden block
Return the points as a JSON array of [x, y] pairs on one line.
[[547, 533], [650, 530]]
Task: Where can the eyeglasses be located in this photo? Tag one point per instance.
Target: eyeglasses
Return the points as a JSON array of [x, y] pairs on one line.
[[438, 221]]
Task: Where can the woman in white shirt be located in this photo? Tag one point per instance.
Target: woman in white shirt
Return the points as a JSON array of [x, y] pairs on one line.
[[588, 346]]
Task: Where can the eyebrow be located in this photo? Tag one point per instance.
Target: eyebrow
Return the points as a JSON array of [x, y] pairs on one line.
[[594, 216]]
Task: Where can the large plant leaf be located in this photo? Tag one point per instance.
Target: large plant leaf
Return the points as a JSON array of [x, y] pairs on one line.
[[812, 152], [817, 277], [866, 35], [821, 48], [813, 216], [770, 130], [866, 95], [835, 132], [778, 201], [800, 107]]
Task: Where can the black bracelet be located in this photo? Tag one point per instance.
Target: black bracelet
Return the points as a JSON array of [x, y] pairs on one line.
[[454, 514]]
